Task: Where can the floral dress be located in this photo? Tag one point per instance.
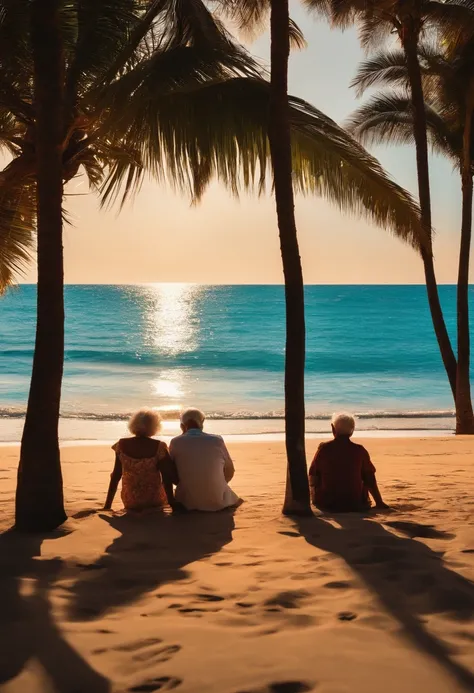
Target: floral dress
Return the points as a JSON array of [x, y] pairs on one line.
[[142, 484]]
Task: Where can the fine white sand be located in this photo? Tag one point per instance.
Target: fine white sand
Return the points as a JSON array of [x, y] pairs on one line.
[[251, 602]]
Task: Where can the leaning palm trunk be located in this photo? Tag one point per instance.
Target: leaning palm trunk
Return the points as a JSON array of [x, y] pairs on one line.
[[297, 492], [464, 412], [39, 498], [409, 41]]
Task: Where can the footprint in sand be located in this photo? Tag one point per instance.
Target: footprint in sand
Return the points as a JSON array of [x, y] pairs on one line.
[[338, 585], [163, 683], [138, 645], [196, 610], [286, 600], [158, 655], [134, 646], [90, 566], [147, 650], [283, 687]]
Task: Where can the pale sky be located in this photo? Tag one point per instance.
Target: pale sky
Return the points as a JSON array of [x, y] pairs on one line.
[[161, 238]]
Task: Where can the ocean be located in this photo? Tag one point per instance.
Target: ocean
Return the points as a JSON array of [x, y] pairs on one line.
[[370, 350]]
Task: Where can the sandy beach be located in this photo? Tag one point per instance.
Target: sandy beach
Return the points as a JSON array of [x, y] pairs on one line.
[[250, 602]]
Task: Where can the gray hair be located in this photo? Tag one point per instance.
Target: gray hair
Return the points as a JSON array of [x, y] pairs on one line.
[[144, 423], [192, 415], [344, 424]]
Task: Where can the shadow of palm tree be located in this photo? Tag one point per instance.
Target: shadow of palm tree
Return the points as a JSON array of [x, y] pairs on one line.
[[150, 551], [27, 628], [408, 577]]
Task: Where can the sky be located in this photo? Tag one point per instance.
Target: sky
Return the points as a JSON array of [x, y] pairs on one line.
[[160, 237]]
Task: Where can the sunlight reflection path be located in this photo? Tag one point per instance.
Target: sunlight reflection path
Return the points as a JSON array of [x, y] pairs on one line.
[[171, 329]]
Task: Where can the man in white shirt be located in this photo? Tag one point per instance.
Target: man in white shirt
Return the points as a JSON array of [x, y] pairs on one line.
[[204, 466]]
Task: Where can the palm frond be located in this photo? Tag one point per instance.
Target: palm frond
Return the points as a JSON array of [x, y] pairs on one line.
[[340, 13], [385, 67], [103, 29], [388, 119], [297, 39], [375, 28], [453, 21], [17, 227], [133, 97], [331, 163], [220, 130], [250, 16]]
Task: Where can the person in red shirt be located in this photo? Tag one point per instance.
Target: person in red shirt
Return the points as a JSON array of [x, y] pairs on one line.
[[342, 476]]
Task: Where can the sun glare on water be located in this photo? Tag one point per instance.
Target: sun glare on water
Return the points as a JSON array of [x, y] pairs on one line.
[[171, 319], [166, 387], [172, 323]]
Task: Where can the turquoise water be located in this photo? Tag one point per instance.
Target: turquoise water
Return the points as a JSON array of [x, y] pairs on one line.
[[371, 349]]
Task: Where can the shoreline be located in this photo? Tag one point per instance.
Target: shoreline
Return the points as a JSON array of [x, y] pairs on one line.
[[89, 431], [250, 439]]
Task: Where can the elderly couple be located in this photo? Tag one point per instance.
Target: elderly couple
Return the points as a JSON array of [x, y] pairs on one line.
[[341, 476], [197, 463]]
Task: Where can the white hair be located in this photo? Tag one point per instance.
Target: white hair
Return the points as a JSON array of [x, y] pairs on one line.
[[145, 423], [192, 415], [344, 424]]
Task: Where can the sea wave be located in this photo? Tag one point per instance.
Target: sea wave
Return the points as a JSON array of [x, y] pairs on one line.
[[173, 414]]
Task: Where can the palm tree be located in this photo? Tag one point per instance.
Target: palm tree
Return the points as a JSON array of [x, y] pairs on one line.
[[411, 20], [448, 76], [154, 87], [297, 500], [252, 14], [39, 500]]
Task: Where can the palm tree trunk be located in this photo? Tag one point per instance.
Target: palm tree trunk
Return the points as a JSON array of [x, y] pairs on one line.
[[297, 491], [39, 497], [410, 45], [464, 412]]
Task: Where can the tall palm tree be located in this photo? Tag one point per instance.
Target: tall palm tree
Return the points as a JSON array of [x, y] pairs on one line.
[[448, 76], [253, 14], [411, 20], [159, 87], [39, 499], [297, 500]]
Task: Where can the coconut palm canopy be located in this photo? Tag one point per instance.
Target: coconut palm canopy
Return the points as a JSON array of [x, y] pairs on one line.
[[159, 87], [378, 19], [388, 115]]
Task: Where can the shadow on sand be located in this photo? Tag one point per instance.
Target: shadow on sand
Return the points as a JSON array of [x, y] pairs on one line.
[[149, 552], [409, 578], [27, 629]]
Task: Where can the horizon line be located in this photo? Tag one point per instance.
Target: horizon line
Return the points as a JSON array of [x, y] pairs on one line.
[[191, 283]]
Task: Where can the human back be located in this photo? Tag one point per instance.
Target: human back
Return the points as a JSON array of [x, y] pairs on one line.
[[342, 475], [143, 464], [204, 466], [341, 467]]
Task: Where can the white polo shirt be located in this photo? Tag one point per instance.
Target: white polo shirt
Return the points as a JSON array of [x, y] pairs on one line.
[[203, 464]]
